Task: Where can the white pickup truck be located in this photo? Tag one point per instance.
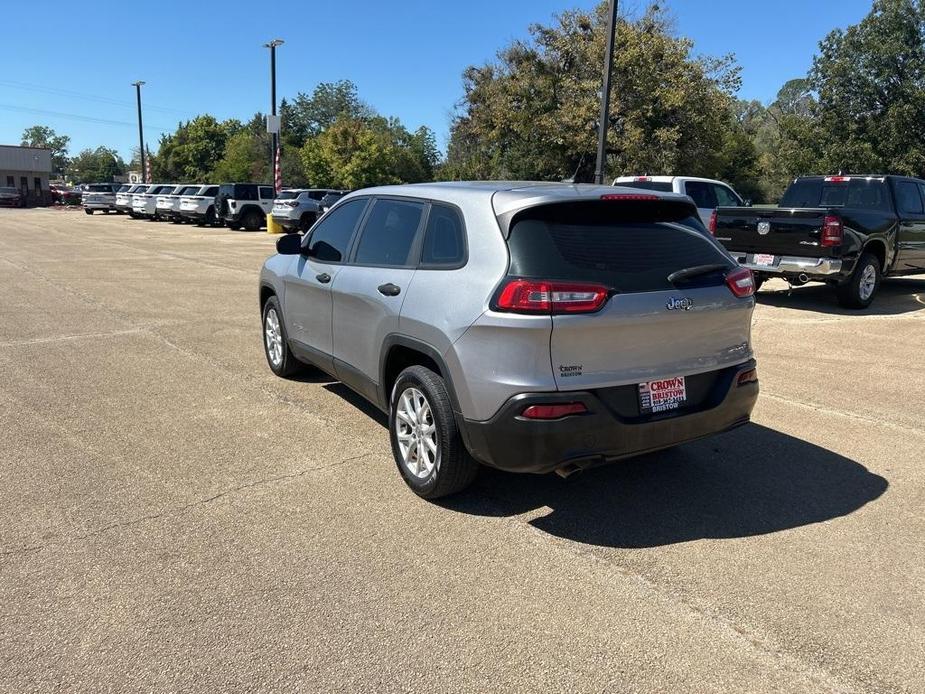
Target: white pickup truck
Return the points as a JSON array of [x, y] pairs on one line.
[[706, 193]]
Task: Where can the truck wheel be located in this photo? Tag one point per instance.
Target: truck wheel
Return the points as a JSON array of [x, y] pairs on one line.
[[426, 444], [88, 211], [860, 289], [252, 220], [210, 217]]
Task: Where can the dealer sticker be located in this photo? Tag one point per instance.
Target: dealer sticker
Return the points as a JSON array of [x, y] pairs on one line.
[[764, 259], [662, 395]]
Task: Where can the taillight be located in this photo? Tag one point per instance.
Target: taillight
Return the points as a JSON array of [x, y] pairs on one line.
[[750, 376], [557, 411], [741, 282], [538, 296], [833, 231], [292, 203], [629, 196], [712, 226], [837, 179]]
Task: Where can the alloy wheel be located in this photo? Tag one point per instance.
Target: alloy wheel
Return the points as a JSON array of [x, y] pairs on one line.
[[416, 432]]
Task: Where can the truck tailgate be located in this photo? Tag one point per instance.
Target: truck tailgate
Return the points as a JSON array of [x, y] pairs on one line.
[[777, 231]]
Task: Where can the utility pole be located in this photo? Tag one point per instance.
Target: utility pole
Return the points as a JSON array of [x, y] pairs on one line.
[[141, 132], [604, 121], [275, 130]]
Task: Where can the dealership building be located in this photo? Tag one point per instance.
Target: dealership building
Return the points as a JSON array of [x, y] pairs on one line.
[[28, 169]]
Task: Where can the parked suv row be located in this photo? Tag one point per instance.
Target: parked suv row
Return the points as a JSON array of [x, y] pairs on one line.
[[529, 327]]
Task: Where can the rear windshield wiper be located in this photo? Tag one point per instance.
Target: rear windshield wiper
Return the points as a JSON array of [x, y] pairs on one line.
[[696, 271]]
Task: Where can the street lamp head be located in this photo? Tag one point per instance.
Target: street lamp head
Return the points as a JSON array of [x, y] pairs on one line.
[[274, 43], [137, 84]]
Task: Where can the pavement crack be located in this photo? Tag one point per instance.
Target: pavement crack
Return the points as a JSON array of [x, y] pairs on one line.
[[180, 511]]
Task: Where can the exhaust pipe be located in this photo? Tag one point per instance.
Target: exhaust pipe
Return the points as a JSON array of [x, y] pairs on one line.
[[567, 470]]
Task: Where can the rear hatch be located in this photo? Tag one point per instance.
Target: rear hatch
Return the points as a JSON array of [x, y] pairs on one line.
[[648, 327]]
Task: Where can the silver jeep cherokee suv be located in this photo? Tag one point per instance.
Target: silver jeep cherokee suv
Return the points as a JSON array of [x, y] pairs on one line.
[[527, 326]]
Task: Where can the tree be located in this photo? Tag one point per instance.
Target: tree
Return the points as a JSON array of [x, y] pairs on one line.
[[246, 155], [533, 113], [100, 165], [870, 81], [357, 153], [43, 136], [191, 153], [308, 115]]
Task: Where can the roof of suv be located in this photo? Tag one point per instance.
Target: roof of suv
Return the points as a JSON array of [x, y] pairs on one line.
[[505, 196]]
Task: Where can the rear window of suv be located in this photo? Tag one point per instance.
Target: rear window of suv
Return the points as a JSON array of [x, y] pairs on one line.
[[601, 243], [661, 186]]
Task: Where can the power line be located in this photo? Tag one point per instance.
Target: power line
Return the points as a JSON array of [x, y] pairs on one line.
[[79, 117], [55, 91]]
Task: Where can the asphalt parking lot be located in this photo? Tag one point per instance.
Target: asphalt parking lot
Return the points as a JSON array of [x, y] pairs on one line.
[[174, 517]]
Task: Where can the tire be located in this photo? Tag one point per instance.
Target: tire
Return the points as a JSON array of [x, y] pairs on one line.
[[234, 226], [252, 220], [210, 217], [859, 291], [306, 221], [276, 341], [445, 469], [88, 211]]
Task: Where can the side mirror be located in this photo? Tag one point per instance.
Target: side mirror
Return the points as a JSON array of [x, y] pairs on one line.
[[289, 244]]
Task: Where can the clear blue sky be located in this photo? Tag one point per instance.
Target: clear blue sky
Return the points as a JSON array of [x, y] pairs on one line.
[[406, 57]]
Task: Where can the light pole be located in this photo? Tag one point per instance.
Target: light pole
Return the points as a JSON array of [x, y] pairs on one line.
[[604, 121], [275, 131], [141, 132]]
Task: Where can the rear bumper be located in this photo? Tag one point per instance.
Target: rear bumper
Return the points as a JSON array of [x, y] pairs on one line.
[[794, 265], [286, 222], [192, 214], [513, 443], [99, 206]]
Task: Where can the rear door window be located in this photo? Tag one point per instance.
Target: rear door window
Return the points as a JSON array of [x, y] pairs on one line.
[[330, 238], [266, 193], [389, 234], [444, 240], [908, 199], [593, 242], [210, 192]]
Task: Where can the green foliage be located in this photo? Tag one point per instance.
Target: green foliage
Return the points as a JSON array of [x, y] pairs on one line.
[[533, 113], [870, 81], [191, 152], [246, 158], [43, 136], [100, 165], [357, 153], [309, 115]]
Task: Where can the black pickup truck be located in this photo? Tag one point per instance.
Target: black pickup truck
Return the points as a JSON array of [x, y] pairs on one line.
[[847, 231]]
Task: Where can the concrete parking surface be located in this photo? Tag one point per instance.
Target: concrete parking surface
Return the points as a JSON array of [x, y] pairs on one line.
[[174, 517]]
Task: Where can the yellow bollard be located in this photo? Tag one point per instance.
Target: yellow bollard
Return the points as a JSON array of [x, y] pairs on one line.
[[272, 226]]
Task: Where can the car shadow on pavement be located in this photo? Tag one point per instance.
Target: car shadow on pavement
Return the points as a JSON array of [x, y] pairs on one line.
[[895, 297], [751, 481]]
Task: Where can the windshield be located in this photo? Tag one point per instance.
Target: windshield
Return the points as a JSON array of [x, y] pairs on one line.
[[8, 190], [287, 194], [99, 188]]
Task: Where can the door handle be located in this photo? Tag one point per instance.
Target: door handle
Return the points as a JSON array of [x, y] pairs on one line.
[[324, 278], [389, 289]]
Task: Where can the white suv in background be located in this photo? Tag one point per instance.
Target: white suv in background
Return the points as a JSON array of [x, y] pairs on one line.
[[124, 197], [244, 205], [144, 203], [99, 196], [707, 193], [199, 205], [297, 210], [168, 203]]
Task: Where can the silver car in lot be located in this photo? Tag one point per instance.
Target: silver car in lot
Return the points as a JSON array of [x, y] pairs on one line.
[[297, 209], [99, 197], [527, 326]]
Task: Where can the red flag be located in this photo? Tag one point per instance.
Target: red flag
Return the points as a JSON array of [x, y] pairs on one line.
[[148, 167], [277, 172]]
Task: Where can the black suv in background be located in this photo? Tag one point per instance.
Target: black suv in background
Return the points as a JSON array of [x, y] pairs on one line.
[[244, 205]]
